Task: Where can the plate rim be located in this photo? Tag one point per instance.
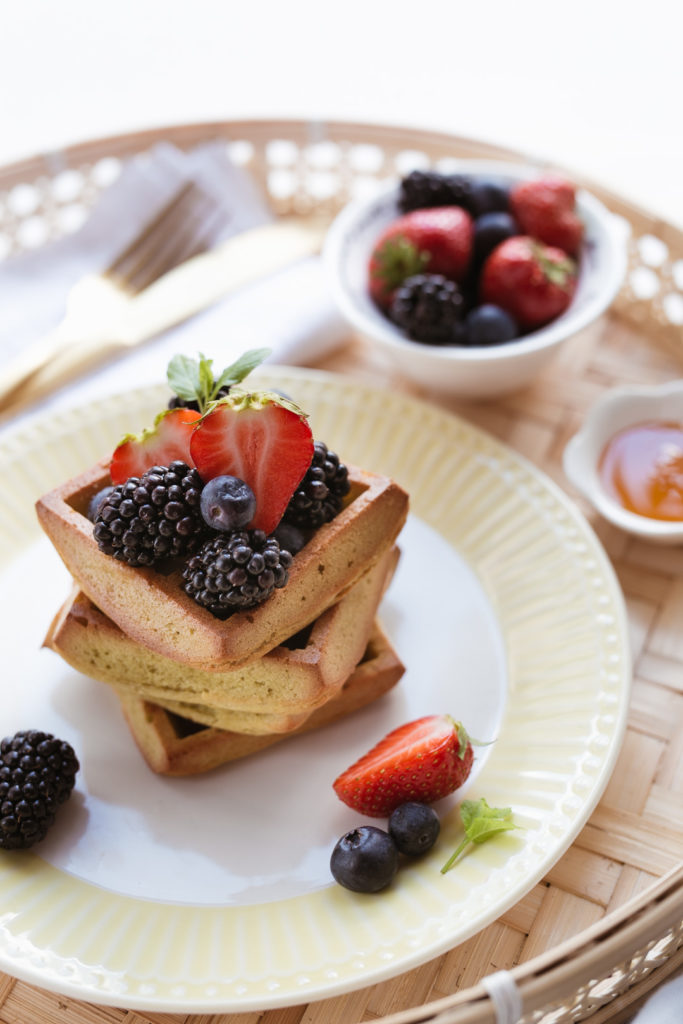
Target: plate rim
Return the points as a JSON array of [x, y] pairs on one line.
[[12, 442]]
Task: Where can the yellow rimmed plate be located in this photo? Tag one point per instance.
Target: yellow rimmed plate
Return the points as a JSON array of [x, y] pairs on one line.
[[213, 894]]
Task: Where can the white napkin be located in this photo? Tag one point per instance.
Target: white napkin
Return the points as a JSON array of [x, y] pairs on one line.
[[665, 1005], [291, 312]]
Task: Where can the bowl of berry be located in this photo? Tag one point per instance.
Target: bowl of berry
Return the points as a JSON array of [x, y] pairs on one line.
[[470, 281]]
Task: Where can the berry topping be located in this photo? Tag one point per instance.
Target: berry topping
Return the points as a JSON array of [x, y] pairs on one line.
[[533, 282], [261, 438], [435, 241], [319, 496], [227, 503], [545, 209], [429, 308], [364, 860], [167, 441], [414, 828], [235, 571], [422, 761], [151, 517], [490, 325], [195, 385], [37, 774]]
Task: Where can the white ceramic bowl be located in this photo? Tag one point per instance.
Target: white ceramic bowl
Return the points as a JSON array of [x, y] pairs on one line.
[[618, 409], [458, 370]]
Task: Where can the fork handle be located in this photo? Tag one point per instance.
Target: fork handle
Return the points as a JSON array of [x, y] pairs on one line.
[[15, 377], [46, 366]]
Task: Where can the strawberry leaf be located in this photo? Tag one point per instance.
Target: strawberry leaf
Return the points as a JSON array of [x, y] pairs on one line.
[[480, 822], [397, 259]]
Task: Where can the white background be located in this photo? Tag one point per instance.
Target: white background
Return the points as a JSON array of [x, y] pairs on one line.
[[596, 86]]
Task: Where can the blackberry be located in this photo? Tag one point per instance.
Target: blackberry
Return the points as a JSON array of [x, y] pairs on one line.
[[37, 774], [152, 517], [235, 571], [422, 189], [318, 498], [429, 308]]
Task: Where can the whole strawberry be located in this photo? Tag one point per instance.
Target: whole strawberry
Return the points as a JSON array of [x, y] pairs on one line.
[[421, 761], [545, 209], [533, 282], [435, 241]]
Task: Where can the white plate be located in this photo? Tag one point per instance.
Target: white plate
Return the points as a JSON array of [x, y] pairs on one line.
[[213, 893]]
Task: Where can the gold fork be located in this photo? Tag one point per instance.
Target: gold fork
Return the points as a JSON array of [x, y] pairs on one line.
[[98, 306]]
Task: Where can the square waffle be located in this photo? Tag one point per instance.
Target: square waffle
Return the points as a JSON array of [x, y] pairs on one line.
[[292, 679], [175, 746], [152, 609]]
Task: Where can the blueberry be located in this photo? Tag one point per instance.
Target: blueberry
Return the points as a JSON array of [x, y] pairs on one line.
[[487, 195], [96, 501], [490, 325], [365, 859], [490, 230], [414, 828], [227, 503]]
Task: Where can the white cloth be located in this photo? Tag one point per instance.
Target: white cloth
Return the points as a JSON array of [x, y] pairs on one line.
[[291, 312], [665, 1005]]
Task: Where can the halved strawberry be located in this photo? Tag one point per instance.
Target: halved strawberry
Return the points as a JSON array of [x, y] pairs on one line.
[[423, 760], [260, 438], [166, 441]]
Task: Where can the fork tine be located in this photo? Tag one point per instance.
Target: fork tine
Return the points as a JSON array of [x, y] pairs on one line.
[[150, 228], [195, 237], [164, 241]]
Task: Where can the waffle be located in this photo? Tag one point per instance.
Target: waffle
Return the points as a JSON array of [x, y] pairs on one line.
[[176, 746], [152, 609], [293, 679]]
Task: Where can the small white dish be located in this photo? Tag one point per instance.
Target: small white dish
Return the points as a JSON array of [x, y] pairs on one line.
[[618, 409], [459, 370]]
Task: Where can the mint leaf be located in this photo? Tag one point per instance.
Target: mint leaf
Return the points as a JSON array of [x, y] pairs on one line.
[[193, 379], [236, 373], [183, 377], [480, 822], [206, 385]]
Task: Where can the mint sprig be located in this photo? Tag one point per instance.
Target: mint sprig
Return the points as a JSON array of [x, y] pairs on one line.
[[480, 822], [193, 380]]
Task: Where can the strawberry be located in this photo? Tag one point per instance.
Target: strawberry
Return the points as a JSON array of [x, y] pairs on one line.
[[435, 241], [261, 438], [168, 440], [532, 282], [423, 761], [545, 209]]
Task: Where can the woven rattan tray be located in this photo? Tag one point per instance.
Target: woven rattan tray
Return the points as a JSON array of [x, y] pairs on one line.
[[606, 925]]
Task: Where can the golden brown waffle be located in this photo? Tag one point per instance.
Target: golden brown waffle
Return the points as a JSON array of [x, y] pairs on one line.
[[153, 610], [176, 746], [291, 680]]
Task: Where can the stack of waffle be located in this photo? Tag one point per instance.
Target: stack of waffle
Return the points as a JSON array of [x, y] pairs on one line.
[[198, 691]]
